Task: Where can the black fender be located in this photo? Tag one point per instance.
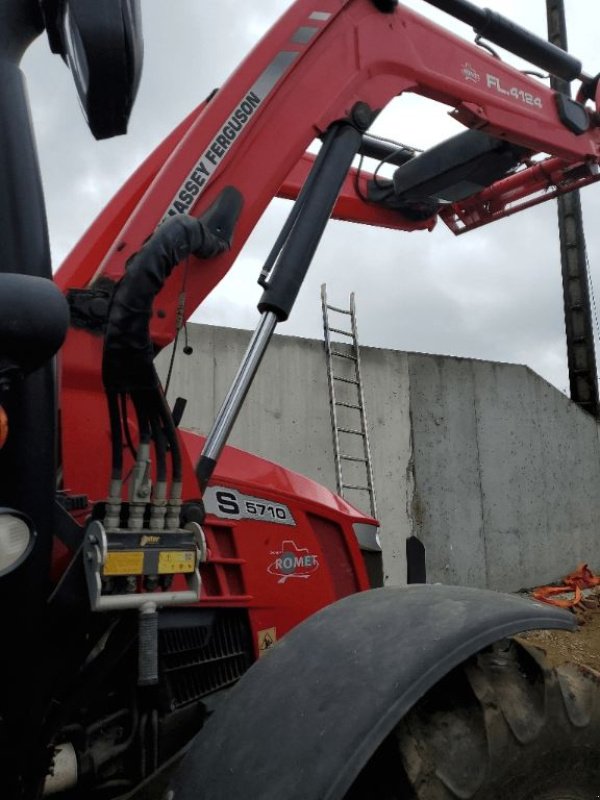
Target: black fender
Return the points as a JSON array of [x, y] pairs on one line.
[[305, 719]]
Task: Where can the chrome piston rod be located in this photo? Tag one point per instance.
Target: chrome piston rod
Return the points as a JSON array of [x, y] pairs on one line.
[[236, 395]]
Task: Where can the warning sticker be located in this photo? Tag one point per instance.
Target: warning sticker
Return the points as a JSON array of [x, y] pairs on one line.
[[124, 563], [175, 562], [266, 640]]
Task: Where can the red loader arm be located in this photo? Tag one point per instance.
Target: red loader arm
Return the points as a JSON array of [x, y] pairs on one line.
[[311, 69]]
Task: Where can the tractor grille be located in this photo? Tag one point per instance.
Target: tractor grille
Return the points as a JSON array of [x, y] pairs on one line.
[[201, 651]]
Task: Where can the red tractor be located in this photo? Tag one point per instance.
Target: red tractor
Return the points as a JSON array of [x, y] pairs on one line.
[[145, 571]]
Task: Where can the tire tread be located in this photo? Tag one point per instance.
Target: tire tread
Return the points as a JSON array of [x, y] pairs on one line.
[[505, 724]]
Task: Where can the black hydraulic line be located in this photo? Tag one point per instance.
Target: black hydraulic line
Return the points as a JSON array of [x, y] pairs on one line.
[[116, 436], [126, 428], [171, 435], [512, 37], [160, 448], [128, 358], [142, 403], [383, 150]]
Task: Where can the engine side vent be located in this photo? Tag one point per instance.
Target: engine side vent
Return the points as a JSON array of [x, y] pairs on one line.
[[201, 651], [337, 556]]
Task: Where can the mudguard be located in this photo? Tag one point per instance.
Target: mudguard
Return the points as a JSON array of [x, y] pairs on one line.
[[302, 723]]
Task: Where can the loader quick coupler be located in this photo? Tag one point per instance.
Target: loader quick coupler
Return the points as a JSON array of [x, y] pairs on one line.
[[143, 569], [139, 555], [125, 565]]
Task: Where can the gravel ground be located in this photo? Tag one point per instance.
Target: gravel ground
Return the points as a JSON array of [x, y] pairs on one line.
[[581, 646]]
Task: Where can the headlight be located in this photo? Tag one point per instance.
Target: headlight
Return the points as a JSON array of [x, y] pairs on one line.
[[16, 539]]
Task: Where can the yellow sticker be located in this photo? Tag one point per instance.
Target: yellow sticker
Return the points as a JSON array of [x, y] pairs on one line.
[[124, 563], [266, 639], [175, 562]]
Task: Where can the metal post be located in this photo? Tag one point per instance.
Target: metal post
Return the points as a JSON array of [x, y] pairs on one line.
[[583, 376]]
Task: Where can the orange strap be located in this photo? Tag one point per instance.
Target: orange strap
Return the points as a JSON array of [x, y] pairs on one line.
[[544, 593], [582, 578]]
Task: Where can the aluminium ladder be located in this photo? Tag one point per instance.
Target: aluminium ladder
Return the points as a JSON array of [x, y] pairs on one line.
[[353, 408]]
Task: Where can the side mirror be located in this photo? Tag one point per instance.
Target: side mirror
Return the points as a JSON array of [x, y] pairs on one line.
[[34, 317], [101, 41]]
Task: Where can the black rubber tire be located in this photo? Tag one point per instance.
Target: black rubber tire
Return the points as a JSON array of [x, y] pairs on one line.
[[503, 726]]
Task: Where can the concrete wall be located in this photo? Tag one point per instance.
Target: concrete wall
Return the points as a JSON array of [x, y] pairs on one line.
[[507, 472], [286, 416], [491, 467]]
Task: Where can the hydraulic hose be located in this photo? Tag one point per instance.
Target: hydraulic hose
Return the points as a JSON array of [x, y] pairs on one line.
[[128, 351]]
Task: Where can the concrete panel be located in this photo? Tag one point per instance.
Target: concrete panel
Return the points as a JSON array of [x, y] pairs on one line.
[[387, 400], [540, 469], [494, 469], [286, 417], [447, 509], [506, 470]]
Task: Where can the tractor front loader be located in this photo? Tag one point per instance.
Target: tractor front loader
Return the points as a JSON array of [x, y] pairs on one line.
[[145, 571]]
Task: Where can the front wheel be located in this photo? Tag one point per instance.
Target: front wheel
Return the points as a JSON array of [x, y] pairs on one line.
[[504, 725]]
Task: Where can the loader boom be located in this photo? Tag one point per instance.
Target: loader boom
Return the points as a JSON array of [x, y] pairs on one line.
[[313, 68]]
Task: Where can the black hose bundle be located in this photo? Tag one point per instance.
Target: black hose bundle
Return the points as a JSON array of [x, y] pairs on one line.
[[128, 362], [128, 357]]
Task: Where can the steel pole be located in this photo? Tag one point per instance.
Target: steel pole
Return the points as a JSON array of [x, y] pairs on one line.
[[581, 356]]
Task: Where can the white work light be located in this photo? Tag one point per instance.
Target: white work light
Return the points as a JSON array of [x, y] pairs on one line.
[[16, 539]]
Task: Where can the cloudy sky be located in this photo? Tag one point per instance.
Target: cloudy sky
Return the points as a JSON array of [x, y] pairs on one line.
[[493, 294]]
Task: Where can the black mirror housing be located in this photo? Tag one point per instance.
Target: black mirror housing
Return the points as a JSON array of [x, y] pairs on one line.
[[101, 42]]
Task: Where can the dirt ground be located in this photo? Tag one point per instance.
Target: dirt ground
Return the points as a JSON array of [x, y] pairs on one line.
[[581, 646]]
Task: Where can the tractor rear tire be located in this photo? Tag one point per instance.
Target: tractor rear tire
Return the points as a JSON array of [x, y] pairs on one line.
[[504, 725]]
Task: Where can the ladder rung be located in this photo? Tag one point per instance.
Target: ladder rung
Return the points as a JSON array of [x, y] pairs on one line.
[[343, 355], [339, 330], [351, 430], [352, 486], [347, 405], [339, 310], [353, 458], [344, 380]]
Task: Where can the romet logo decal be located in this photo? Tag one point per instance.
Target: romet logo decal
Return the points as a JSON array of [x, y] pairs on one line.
[[293, 562]]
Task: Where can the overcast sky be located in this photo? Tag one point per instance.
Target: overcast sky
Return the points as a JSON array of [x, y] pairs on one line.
[[493, 294]]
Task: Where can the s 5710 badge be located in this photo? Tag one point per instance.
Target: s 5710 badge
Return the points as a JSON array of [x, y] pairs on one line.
[[221, 501]]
